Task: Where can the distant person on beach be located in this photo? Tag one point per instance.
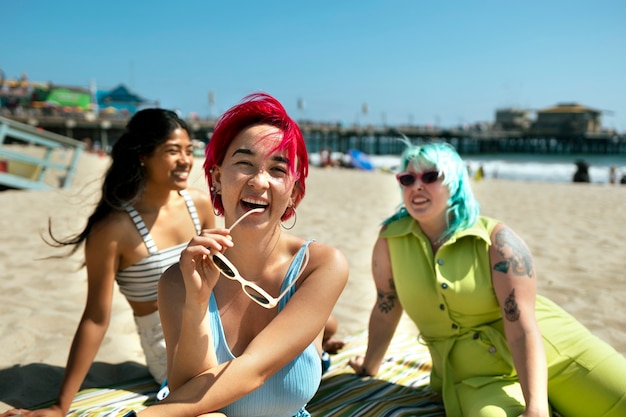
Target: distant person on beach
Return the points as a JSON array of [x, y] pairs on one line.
[[582, 172], [144, 219], [326, 158], [88, 144], [245, 309], [345, 161], [469, 284], [612, 174], [480, 173]]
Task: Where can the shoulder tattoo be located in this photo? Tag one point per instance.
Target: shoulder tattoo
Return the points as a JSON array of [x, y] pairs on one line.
[[511, 309], [516, 256], [386, 300]]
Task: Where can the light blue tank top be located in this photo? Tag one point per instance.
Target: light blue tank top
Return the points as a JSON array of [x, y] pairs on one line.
[[286, 392]]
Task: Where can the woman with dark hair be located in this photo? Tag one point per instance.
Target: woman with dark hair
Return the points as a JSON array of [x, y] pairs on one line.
[[244, 311], [144, 219], [469, 284]]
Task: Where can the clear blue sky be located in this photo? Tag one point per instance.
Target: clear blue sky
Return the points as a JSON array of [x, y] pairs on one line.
[[419, 61]]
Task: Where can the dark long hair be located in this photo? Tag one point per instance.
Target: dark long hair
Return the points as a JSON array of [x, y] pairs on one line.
[[124, 181]]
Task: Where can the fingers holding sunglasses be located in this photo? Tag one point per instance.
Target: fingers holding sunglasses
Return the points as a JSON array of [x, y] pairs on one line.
[[199, 272], [216, 240], [199, 276]]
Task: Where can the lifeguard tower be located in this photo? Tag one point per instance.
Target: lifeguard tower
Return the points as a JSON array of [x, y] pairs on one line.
[[35, 159]]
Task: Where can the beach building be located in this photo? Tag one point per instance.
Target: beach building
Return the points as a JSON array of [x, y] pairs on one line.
[[21, 96], [18, 94], [567, 119], [67, 99], [513, 119], [120, 99], [24, 97]]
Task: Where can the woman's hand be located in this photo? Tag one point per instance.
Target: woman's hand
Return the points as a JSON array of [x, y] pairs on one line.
[[198, 270], [356, 364], [53, 411]]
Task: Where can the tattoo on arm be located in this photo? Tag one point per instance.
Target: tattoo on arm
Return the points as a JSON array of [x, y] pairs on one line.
[[516, 256], [511, 310], [386, 300]]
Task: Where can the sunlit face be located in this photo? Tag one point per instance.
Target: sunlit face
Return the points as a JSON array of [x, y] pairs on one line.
[[170, 163], [426, 202], [252, 175]]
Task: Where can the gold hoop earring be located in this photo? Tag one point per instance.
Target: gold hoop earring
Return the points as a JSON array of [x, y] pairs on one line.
[[295, 220], [214, 197]]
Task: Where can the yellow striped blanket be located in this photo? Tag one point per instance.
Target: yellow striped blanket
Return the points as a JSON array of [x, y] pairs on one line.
[[400, 389]]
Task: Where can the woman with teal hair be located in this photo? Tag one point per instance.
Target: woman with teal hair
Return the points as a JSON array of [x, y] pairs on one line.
[[469, 284], [463, 209]]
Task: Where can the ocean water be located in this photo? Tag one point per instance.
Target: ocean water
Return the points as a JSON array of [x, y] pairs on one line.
[[522, 167]]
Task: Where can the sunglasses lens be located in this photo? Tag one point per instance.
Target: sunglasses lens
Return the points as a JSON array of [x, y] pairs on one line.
[[409, 178], [430, 177], [406, 179], [223, 267], [255, 294]]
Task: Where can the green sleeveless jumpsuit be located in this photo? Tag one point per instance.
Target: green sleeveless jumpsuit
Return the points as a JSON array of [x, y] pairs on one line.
[[450, 297]]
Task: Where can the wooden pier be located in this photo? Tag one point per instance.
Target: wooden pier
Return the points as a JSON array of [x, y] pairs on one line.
[[375, 140]]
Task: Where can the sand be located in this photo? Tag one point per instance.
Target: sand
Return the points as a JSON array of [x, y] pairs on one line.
[[575, 232]]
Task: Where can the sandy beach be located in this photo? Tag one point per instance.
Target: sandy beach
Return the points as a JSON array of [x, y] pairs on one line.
[[575, 232]]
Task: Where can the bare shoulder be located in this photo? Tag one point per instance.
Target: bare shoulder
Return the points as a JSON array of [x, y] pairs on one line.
[[327, 253], [324, 256], [204, 206], [329, 266], [172, 276], [171, 287], [499, 227], [381, 242], [117, 225], [172, 273], [380, 246], [200, 198], [509, 254], [116, 232], [503, 235]]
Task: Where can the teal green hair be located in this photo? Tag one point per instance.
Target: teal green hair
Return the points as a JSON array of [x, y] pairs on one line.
[[463, 209]]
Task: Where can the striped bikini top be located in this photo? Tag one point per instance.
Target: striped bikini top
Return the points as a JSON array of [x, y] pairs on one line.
[[138, 282]]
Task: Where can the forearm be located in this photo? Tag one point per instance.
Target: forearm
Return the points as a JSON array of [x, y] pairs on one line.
[[210, 391], [530, 363], [85, 345], [195, 352], [380, 332]]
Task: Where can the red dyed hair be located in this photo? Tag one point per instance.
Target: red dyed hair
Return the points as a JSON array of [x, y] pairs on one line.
[[255, 109]]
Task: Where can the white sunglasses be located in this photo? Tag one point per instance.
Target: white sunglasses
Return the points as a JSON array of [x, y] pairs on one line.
[[256, 293]]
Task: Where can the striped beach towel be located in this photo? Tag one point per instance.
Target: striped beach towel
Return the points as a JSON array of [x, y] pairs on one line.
[[113, 401], [400, 389]]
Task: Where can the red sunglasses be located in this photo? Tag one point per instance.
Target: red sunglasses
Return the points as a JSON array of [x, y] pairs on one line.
[[407, 179]]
